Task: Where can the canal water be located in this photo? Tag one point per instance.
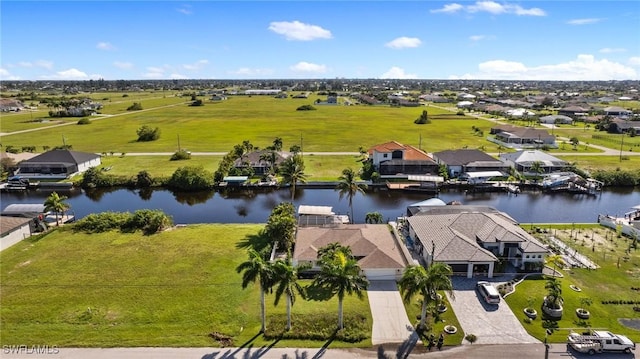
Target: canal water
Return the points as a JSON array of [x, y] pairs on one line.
[[254, 206]]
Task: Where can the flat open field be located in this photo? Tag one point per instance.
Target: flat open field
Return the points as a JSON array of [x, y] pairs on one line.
[[217, 126], [169, 289]]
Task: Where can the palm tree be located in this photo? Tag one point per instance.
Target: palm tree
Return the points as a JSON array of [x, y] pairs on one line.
[[286, 281], [426, 282], [55, 203], [341, 274], [373, 217], [557, 261], [292, 172], [536, 167], [258, 269], [347, 186], [554, 297]]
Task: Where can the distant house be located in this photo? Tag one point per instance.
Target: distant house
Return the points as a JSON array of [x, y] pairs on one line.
[[617, 111], [524, 160], [434, 98], [13, 230], [471, 238], [468, 160], [573, 111], [379, 253], [556, 119], [218, 97], [10, 105], [394, 158], [262, 92], [519, 112], [619, 125], [57, 164], [259, 162], [522, 137]]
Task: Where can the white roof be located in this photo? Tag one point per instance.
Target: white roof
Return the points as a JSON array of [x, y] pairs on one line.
[[425, 178], [429, 202], [482, 174], [315, 210], [19, 208]]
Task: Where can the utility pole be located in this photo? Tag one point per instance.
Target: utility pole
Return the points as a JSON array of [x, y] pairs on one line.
[[621, 145], [301, 150]]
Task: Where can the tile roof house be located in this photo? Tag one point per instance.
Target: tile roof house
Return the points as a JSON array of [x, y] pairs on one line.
[[523, 160], [394, 158], [522, 137], [256, 161], [13, 230], [379, 253], [57, 164], [556, 119], [468, 160], [617, 111], [470, 239]]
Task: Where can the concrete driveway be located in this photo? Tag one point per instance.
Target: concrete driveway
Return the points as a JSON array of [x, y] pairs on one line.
[[390, 321], [490, 323]]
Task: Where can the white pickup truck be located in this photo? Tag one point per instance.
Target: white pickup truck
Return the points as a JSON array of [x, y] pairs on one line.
[[600, 341]]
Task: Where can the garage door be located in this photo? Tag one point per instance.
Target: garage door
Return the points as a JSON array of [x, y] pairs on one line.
[[383, 274]]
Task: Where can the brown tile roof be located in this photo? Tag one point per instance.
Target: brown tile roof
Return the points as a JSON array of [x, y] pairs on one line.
[[411, 153], [8, 224], [373, 244]]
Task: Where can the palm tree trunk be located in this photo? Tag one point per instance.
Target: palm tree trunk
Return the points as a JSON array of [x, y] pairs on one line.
[[340, 321], [57, 220], [423, 313], [263, 312], [351, 206], [288, 312], [293, 190]]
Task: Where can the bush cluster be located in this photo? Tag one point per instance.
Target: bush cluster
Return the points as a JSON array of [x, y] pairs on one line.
[[191, 179], [181, 155], [318, 327], [147, 220], [618, 302], [305, 108], [146, 133], [84, 121], [618, 177], [96, 178]]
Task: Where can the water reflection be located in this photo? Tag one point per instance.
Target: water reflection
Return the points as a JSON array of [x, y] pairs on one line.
[[243, 206]]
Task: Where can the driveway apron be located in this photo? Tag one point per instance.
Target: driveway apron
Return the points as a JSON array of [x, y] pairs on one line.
[[490, 323], [390, 321]]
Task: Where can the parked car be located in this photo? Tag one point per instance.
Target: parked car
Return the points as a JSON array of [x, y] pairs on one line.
[[488, 292], [600, 341]]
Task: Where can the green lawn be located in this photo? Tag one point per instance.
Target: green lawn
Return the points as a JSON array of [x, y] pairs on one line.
[[447, 318], [609, 282], [169, 289], [607, 163], [218, 126]]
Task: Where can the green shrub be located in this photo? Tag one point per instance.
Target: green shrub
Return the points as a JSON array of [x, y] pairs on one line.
[[306, 108], [181, 155], [137, 106], [191, 179], [101, 222], [147, 220], [146, 133], [84, 121], [144, 179]]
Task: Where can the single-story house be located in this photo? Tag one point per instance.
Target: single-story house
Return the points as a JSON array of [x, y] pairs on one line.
[[519, 112], [556, 119], [619, 125], [468, 160], [574, 111], [524, 160], [379, 253], [57, 164], [259, 162], [471, 238], [319, 216], [13, 230], [617, 111], [394, 158], [522, 137]]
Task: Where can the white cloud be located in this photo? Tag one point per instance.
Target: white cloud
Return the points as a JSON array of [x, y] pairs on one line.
[[404, 42], [105, 46], [586, 21], [297, 30], [477, 37], [246, 71], [6, 75], [634, 61], [491, 7], [583, 68], [177, 77], [123, 65], [610, 50], [38, 63], [71, 74], [153, 75], [397, 73], [196, 66], [185, 9], [449, 8], [303, 66]]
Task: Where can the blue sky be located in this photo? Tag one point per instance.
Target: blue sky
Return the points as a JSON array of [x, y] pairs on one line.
[[523, 40]]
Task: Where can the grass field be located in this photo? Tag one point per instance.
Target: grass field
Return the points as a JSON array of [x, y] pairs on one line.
[[169, 289], [218, 126], [609, 282]]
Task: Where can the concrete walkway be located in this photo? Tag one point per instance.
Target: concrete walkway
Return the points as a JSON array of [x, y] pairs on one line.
[[491, 324], [390, 321]]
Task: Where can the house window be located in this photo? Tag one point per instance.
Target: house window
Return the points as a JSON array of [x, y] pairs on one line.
[[527, 256], [539, 255], [384, 155]]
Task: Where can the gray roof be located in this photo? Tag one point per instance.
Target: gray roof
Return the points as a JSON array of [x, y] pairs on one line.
[[527, 157], [62, 156], [23, 208], [8, 224], [464, 157], [457, 230]]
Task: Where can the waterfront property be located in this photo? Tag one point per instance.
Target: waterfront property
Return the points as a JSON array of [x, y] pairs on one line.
[[472, 239], [379, 253], [522, 137], [13, 230], [57, 164], [468, 160], [392, 158], [524, 161]]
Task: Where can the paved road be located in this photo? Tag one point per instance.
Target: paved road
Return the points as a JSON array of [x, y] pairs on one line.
[[475, 351], [390, 321]]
